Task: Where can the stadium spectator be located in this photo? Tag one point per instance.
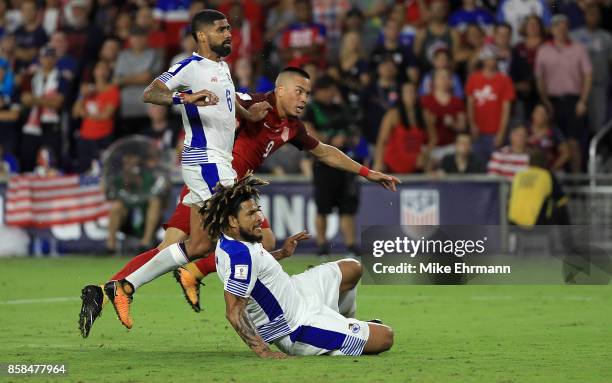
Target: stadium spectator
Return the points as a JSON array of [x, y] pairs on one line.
[[463, 160], [246, 37], [46, 163], [44, 96], [96, 108], [188, 46], [466, 58], [135, 69], [435, 35], [156, 38], [304, 40], [599, 45], [277, 20], [378, 97], [403, 58], [355, 21], [548, 139], [441, 61], [160, 128], [8, 163], [30, 36], [490, 94], [564, 76], [109, 53], [105, 14], [66, 64], [514, 12], [136, 196], [502, 35], [174, 16], [351, 70], [123, 28], [52, 16], [10, 109], [330, 14], [511, 159], [533, 36], [443, 113], [84, 38], [3, 19], [327, 119], [417, 12], [575, 11], [471, 13], [401, 140], [247, 81]]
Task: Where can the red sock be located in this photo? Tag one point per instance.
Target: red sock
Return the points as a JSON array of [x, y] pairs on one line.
[[134, 264], [207, 265]]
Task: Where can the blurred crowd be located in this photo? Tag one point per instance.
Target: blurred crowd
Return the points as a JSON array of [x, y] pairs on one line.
[[434, 86]]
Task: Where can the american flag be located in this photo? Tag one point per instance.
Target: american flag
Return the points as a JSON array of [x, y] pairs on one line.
[[38, 202], [420, 207]]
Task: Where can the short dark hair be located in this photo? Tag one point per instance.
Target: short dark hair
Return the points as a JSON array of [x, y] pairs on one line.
[[503, 25], [325, 82], [296, 70], [204, 17]]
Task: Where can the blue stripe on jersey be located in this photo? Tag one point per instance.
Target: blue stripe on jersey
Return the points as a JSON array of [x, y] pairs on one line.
[[210, 173], [166, 76], [328, 340], [239, 255], [266, 300], [198, 138], [318, 337]]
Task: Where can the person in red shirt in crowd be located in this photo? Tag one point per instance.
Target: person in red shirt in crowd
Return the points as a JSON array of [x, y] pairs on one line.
[[513, 158], [156, 38], [254, 142], [401, 137], [247, 40], [304, 40], [546, 137], [490, 95], [96, 108], [444, 113]]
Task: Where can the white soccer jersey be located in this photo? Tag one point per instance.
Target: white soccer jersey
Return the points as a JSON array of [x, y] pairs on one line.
[[248, 270], [209, 130]]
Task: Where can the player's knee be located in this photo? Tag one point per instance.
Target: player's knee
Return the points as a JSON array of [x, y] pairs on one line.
[[199, 248], [387, 340], [351, 269]]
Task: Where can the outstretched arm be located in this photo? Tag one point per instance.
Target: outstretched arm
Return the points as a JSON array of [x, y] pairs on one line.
[[235, 312], [333, 157]]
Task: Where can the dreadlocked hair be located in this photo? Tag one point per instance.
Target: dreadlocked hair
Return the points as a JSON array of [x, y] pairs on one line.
[[226, 201]]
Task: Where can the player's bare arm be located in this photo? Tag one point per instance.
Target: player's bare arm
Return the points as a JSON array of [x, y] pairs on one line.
[[236, 314], [256, 112], [158, 93], [334, 157], [289, 246]]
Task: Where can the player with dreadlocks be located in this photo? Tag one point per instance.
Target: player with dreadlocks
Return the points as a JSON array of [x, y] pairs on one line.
[[305, 314]]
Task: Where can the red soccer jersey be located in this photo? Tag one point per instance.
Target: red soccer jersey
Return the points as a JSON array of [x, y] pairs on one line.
[[489, 95], [255, 141]]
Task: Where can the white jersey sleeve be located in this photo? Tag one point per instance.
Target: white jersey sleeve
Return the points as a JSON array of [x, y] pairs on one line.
[[239, 271], [177, 76]]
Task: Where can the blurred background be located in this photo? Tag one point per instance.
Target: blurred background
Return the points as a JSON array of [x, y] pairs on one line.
[[455, 96]]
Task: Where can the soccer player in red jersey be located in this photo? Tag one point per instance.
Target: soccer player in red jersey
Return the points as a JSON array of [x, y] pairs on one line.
[[254, 142]]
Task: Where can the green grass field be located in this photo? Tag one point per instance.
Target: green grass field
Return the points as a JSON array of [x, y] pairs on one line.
[[442, 333]]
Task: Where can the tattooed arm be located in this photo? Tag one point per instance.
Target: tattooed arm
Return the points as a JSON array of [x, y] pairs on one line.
[[158, 93], [236, 314]]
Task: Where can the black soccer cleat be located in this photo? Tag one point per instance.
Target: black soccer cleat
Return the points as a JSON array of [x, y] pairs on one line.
[[91, 308]]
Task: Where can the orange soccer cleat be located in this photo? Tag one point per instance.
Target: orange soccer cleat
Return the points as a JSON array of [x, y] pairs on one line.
[[190, 286], [121, 302]]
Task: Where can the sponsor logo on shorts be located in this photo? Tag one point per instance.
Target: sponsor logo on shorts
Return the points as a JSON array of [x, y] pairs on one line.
[[354, 327]]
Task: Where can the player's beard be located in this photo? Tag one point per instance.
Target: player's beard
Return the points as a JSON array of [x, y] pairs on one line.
[[222, 49], [249, 237]]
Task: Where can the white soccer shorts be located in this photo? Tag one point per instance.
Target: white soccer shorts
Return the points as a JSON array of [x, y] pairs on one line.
[[202, 179], [324, 330]]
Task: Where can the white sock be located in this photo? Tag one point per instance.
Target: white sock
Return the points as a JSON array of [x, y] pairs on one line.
[[347, 303], [168, 259]]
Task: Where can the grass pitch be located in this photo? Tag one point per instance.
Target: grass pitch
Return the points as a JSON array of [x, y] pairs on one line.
[[442, 333]]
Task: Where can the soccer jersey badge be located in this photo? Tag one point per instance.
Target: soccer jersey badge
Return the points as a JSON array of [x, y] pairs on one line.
[[241, 271], [354, 327]]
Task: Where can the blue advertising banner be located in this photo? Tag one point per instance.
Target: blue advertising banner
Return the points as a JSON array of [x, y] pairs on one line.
[[290, 208]]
